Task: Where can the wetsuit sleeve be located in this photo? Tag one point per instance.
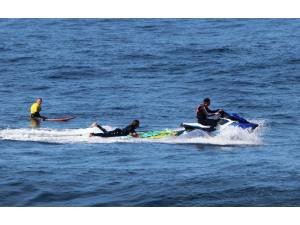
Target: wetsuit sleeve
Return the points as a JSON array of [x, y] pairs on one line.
[[211, 111], [132, 130], [37, 115]]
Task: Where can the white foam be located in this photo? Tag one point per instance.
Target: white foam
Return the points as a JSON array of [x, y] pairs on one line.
[[228, 136]]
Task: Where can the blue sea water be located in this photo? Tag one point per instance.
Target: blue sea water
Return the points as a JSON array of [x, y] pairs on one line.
[[158, 71]]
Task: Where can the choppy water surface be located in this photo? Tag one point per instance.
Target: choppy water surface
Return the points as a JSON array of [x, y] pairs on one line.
[[157, 71]]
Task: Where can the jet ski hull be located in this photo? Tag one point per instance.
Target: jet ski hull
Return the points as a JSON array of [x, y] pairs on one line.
[[233, 120]]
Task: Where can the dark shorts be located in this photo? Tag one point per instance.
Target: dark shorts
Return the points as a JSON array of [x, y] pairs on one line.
[[37, 116], [209, 122]]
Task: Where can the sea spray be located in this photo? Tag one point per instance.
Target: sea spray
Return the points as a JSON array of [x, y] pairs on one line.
[[228, 136]]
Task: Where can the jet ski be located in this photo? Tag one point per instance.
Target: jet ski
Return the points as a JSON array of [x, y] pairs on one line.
[[225, 121]]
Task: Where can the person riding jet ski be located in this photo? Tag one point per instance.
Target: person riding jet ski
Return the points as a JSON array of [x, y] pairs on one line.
[[203, 114]]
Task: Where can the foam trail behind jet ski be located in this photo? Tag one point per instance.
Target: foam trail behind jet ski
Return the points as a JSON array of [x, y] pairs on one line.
[[229, 136]]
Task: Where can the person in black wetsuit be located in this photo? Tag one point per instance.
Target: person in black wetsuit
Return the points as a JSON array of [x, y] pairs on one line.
[[203, 113], [129, 130]]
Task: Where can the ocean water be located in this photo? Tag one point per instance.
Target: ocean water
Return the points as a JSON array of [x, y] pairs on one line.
[[158, 71]]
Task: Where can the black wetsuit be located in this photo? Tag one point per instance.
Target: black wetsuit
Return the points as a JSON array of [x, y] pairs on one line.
[[117, 132], [202, 115], [37, 116]]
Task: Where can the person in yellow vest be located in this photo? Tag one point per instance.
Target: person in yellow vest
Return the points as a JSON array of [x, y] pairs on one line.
[[36, 109]]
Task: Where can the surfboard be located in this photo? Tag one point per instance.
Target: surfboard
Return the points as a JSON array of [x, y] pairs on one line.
[[64, 119], [157, 134]]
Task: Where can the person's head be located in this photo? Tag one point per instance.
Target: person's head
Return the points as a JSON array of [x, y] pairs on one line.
[[135, 123], [206, 102], [39, 101]]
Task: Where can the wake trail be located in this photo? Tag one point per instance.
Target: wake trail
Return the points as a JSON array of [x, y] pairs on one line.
[[228, 136]]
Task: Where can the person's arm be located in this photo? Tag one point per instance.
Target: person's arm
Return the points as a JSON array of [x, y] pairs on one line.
[[37, 115], [134, 134], [209, 112], [43, 117], [40, 116], [212, 111]]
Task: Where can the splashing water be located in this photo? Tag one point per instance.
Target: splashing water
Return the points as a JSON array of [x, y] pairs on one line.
[[228, 136]]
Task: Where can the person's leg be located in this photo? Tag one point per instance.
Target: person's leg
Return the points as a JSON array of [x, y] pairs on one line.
[[103, 130], [97, 134], [209, 122], [104, 134], [114, 133], [98, 126], [35, 123]]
